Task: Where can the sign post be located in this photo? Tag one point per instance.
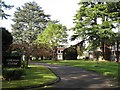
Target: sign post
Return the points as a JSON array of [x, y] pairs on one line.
[[12, 61]]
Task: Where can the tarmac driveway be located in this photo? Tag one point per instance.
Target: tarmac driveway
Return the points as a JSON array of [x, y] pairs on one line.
[[74, 77]]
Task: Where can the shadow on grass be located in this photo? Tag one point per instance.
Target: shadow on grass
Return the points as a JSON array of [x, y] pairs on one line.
[[34, 76], [110, 69]]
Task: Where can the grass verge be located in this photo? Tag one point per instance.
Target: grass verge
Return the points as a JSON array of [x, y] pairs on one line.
[[35, 75]]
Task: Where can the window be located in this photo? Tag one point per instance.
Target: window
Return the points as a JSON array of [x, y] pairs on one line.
[[59, 56], [60, 46], [58, 51], [61, 51]]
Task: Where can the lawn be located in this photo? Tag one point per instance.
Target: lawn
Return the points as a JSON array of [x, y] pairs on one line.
[[35, 75], [107, 68]]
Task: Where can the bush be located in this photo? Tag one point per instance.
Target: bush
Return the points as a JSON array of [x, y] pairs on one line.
[[12, 73], [70, 54]]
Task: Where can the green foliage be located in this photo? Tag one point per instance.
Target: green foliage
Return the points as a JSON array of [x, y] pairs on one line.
[[16, 52], [97, 54], [3, 15], [87, 26], [70, 53], [52, 35], [24, 64], [34, 76], [29, 21], [12, 73], [80, 47]]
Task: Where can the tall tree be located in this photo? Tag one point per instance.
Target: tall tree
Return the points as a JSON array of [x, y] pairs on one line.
[[6, 39], [6, 42], [4, 15], [52, 36], [87, 25], [29, 21]]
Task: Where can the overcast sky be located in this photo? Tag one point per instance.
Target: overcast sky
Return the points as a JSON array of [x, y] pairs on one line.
[[62, 10]]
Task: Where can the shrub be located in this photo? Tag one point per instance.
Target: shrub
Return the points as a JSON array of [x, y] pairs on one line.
[[70, 53], [12, 73]]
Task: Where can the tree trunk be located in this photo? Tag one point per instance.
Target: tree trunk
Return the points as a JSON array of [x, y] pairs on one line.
[[103, 50], [117, 51], [55, 53]]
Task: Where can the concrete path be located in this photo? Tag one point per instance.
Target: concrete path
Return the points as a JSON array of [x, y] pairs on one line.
[[74, 77]]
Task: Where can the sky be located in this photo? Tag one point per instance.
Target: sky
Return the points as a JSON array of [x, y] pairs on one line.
[[62, 10]]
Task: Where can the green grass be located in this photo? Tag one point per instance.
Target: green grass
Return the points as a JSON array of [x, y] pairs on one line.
[[35, 75], [107, 68]]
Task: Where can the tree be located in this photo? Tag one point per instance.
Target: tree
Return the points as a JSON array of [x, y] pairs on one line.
[[29, 21], [40, 51], [34, 50], [2, 12], [80, 47], [114, 9], [70, 53], [98, 34], [6, 39], [6, 42], [52, 36]]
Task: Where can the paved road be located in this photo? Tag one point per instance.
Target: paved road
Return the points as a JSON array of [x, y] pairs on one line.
[[74, 77]]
